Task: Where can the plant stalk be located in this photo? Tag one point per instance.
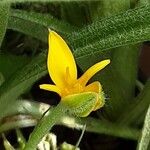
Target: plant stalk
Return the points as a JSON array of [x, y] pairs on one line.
[[44, 125]]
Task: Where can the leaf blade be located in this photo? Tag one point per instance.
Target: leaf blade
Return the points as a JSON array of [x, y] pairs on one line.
[[21, 81], [145, 137], [4, 15]]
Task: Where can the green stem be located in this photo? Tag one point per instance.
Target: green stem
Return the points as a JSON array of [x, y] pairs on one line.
[[44, 125]]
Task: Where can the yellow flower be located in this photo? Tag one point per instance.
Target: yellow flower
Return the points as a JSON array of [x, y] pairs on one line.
[[63, 71]]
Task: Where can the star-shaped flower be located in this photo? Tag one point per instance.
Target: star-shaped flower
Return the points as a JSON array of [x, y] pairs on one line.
[[63, 72]]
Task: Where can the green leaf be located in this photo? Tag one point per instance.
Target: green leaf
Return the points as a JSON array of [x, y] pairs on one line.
[[24, 1], [4, 15], [143, 2], [126, 28], [7, 144], [130, 27], [119, 80], [76, 13], [1, 79], [134, 113], [11, 63], [45, 20], [17, 121], [101, 9], [20, 139], [28, 28], [144, 142], [27, 22], [21, 81]]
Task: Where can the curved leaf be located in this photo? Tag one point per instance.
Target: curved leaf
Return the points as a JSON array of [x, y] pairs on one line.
[[45, 20], [4, 15], [144, 142], [20, 82], [130, 27]]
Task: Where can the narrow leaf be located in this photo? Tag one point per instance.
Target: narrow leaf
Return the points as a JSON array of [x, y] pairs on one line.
[[126, 28], [28, 28], [2, 79], [20, 82], [145, 137], [23, 1], [10, 63], [130, 27], [4, 15], [137, 109], [45, 20]]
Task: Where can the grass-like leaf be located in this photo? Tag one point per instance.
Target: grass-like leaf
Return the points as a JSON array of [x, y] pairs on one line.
[[12, 62], [1, 79], [23, 1], [126, 28], [119, 80], [45, 20], [4, 15], [136, 110], [28, 28], [20, 82], [27, 22], [144, 142]]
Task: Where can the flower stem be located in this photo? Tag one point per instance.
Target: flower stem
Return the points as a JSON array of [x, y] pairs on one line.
[[44, 125]]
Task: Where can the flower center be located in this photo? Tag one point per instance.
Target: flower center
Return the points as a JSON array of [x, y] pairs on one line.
[[72, 88]]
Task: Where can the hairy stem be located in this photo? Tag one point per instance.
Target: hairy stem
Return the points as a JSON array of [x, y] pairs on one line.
[[44, 125]]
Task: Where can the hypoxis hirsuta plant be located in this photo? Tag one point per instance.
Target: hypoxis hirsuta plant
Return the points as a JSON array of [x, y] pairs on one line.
[[63, 71], [76, 96], [123, 29]]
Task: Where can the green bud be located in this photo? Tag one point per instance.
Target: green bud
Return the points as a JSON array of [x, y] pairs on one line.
[[81, 104]]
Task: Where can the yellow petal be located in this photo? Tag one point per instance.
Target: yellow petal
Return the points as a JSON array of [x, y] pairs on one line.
[[100, 102], [92, 71], [93, 87], [59, 59], [97, 88], [50, 87]]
